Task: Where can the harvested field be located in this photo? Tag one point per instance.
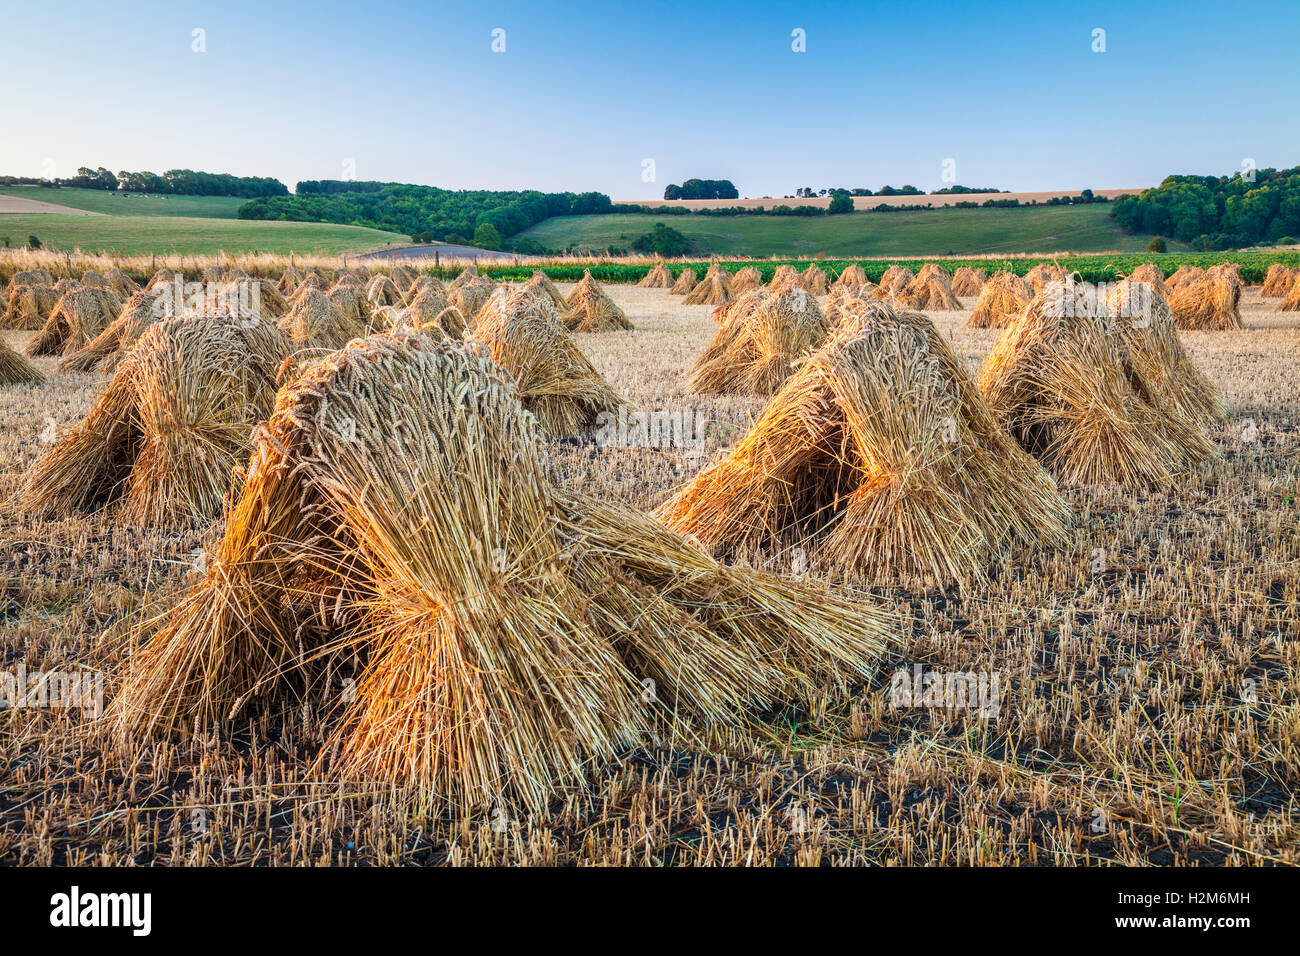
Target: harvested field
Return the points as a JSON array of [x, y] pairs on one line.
[[1146, 667]]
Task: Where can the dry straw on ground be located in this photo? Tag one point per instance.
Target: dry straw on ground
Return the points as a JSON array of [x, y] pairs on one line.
[[272, 303], [879, 458], [470, 296], [162, 277], [783, 279], [1278, 280], [421, 284], [290, 279], [76, 319], [28, 306], [29, 277], [1002, 299], [930, 290], [383, 292], [686, 281], [660, 277], [430, 308], [968, 281], [1149, 274], [161, 443], [1291, 300], [1161, 366], [16, 370], [466, 276], [1209, 303], [555, 381], [541, 284], [854, 278], [893, 283], [1040, 275], [590, 309], [121, 284], [314, 322], [813, 280], [761, 337], [1183, 275], [107, 348], [503, 634], [713, 289], [403, 276], [843, 302], [1093, 405], [745, 279], [349, 298]]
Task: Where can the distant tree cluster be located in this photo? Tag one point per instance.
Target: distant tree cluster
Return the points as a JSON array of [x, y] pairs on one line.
[[662, 240], [425, 213], [1217, 212], [808, 192], [176, 182], [702, 189], [955, 190]]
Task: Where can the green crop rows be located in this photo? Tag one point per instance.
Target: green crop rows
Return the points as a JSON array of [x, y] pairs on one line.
[[1090, 268]]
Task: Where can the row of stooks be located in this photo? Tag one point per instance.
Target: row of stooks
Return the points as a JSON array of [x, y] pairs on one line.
[[1200, 299], [1065, 402], [398, 511]]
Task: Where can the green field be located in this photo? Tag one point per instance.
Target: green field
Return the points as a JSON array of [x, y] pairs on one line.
[[132, 204], [143, 235], [933, 233]]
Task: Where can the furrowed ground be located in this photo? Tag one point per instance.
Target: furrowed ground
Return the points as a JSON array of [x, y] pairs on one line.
[[1149, 674]]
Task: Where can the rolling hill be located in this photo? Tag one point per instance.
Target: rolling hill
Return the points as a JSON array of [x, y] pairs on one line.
[[1083, 228]]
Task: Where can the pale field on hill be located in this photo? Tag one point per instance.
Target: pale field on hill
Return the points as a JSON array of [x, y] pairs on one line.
[[866, 202], [1126, 732], [18, 204]]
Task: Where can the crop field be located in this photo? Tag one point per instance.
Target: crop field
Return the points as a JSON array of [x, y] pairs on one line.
[[1147, 712], [936, 232], [1110, 267], [209, 236], [130, 204]]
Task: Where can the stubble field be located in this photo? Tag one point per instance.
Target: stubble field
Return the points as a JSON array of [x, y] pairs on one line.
[[1149, 673]]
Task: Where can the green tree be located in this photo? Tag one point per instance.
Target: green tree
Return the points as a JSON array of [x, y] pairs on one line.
[[1156, 245], [840, 203], [486, 236], [33, 242], [663, 241]]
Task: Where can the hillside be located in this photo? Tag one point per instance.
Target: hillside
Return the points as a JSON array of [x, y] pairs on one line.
[[131, 204], [1085, 228], [143, 235], [866, 202]]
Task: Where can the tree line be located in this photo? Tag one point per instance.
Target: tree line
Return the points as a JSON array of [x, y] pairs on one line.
[[425, 213], [1218, 212], [175, 182]]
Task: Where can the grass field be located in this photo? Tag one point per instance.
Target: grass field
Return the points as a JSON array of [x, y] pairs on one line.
[[143, 235], [134, 204], [1127, 734], [936, 232]]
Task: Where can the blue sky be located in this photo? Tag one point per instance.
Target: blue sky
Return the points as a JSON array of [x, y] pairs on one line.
[[585, 92]]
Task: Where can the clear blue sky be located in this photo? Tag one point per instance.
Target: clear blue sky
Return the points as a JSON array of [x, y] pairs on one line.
[[584, 92]]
